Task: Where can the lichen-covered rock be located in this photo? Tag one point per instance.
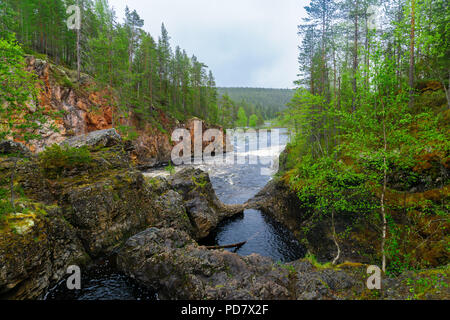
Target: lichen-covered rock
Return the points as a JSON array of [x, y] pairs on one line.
[[205, 210], [107, 212], [169, 261], [96, 139], [170, 212], [100, 207], [35, 257]]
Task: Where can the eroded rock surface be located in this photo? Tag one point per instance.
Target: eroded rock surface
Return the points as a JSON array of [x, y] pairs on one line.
[[171, 263], [98, 206], [99, 139], [33, 258], [205, 210]]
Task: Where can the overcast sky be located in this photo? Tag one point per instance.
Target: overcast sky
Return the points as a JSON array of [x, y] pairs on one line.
[[248, 43]]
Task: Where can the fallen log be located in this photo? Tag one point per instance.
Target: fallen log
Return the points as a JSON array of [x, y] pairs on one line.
[[236, 245]]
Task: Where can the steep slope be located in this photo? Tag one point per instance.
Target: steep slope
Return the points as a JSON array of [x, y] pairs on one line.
[[417, 199], [86, 108]]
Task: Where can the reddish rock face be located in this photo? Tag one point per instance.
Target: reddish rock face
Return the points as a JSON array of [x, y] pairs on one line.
[[86, 109]]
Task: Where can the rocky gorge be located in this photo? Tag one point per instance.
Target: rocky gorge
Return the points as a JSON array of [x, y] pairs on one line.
[[86, 107], [153, 225], [106, 206], [87, 212]]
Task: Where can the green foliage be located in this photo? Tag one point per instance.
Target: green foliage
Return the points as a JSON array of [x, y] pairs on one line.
[[199, 184], [227, 111], [242, 120], [325, 185], [55, 159], [253, 121], [358, 137], [5, 207], [425, 282], [18, 88], [127, 132], [313, 260], [287, 267], [170, 168], [142, 74], [266, 103]]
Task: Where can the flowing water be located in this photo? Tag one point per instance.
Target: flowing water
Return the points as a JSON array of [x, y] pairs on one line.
[[234, 183]]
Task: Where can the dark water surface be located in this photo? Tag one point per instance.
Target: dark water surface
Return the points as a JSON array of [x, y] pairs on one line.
[[102, 282], [234, 184], [237, 183]]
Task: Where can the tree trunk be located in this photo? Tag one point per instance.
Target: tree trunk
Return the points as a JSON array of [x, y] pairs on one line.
[[78, 49], [366, 56], [236, 245], [338, 255], [447, 90], [355, 57], [411, 53], [78, 55], [383, 195]]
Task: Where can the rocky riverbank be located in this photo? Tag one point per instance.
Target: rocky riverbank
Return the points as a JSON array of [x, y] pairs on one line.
[[171, 263], [73, 215], [281, 203], [76, 214]]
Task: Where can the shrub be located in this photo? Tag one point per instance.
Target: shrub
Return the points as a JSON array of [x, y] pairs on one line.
[[59, 158]]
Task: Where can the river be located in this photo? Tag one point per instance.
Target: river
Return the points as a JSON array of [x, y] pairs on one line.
[[234, 184]]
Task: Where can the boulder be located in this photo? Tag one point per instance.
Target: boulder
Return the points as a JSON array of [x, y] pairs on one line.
[[84, 214], [95, 139], [106, 212], [171, 263], [205, 210]]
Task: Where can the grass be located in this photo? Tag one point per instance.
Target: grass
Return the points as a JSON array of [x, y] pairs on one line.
[[56, 158], [287, 267], [313, 260], [170, 168]]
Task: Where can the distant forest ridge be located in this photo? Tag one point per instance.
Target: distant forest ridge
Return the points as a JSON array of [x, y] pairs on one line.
[[264, 101]]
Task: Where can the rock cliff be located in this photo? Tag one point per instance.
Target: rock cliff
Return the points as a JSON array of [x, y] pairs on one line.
[[86, 108], [74, 214]]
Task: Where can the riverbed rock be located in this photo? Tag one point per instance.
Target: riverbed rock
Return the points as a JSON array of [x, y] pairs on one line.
[[205, 210], [100, 206], [170, 262]]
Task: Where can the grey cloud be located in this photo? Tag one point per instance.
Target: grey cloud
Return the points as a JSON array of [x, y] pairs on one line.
[[244, 42]]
